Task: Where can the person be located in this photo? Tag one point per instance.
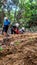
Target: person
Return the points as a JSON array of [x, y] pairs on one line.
[[14, 29], [17, 28], [6, 25], [22, 30]]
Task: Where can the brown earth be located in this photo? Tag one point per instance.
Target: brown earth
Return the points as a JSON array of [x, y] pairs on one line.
[[19, 49]]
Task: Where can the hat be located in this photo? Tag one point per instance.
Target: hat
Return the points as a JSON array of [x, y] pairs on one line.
[[5, 18], [17, 24], [23, 28]]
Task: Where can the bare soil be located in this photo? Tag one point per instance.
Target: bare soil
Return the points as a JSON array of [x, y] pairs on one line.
[[19, 49]]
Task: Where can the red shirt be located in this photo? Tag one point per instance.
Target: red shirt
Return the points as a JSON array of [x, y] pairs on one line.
[[17, 31]]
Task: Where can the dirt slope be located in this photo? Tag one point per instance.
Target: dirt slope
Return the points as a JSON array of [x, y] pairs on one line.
[[22, 50]]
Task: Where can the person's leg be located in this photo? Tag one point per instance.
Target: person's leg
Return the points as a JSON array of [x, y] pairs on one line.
[[5, 30], [4, 33]]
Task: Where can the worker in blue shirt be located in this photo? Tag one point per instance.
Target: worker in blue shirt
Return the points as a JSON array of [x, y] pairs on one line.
[[6, 25]]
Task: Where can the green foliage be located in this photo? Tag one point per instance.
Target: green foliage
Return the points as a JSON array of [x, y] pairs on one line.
[[1, 48], [15, 1], [16, 43], [27, 14]]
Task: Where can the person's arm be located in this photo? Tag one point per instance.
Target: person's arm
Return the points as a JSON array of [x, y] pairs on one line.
[[9, 23]]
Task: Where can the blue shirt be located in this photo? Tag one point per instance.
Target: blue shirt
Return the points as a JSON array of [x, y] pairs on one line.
[[6, 22]]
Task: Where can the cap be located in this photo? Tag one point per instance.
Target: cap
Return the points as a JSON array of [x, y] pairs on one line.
[[17, 24], [5, 18], [23, 28]]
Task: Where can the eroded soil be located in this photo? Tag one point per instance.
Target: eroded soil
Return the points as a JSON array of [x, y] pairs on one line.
[[19, 49]]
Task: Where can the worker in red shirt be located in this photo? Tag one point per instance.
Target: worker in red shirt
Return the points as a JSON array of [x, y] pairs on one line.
[[14, 29]]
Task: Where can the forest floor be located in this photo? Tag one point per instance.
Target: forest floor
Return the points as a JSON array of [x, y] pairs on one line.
[[19, 49]]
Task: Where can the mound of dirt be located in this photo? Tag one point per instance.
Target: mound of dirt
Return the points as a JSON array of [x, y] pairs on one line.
[[22, 50]]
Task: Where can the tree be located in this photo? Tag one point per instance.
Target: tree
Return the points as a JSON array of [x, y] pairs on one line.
[[29, 11]]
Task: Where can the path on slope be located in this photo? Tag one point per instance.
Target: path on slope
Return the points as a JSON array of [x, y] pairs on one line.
[[22, 50]]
